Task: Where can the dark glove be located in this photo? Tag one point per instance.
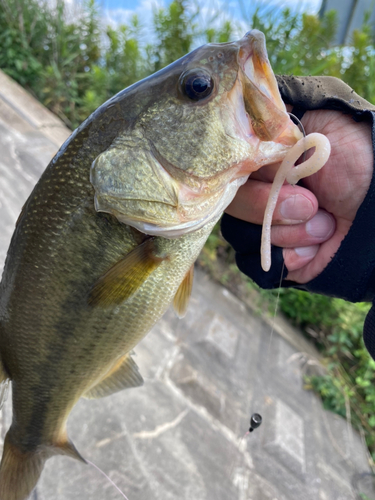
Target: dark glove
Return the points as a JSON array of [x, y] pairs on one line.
[[351, 273], [306, 93]]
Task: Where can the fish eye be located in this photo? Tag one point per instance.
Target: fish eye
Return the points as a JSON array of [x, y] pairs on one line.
[[196, 84]]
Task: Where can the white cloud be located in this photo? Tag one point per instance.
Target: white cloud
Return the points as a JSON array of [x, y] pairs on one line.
[[144, 11], [211, 12]]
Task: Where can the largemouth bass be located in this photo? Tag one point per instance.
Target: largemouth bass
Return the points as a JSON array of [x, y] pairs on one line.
[[109, 236]]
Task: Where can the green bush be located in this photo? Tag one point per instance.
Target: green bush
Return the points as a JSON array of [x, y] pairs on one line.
[[47, 54], [73, 64]]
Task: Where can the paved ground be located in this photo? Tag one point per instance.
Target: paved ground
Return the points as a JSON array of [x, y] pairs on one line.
[[180, 435]]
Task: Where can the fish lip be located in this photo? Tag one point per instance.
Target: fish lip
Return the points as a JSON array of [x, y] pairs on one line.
[[253, 46], [266, 111]]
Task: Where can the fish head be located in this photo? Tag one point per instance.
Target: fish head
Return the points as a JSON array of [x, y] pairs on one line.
[[194, 133]]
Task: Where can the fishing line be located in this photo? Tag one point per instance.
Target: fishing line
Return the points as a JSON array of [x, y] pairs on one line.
[[255, 422], [108, 478], [256, 418], [299, 123], [274, 314]]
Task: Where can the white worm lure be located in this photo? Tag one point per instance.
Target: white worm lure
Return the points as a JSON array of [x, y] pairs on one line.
[[292, 175]]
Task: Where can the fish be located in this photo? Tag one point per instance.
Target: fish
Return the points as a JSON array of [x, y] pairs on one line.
[[108, 238]]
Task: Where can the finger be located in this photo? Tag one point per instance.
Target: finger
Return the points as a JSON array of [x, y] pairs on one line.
[[314, 232], [295, 204], [296, 258], [314, 266], [266, 173]]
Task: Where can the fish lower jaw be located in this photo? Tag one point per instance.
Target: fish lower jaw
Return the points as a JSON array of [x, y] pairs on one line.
[[175, 230]]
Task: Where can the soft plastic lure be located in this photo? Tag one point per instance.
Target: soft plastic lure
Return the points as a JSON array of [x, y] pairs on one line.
[[292, 175]]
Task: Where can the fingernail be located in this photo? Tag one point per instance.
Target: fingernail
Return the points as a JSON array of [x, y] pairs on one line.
[[296, 207], [320, 226], [307, 251]]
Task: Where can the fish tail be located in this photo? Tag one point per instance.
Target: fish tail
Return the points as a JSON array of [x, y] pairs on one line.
[[19, 471]]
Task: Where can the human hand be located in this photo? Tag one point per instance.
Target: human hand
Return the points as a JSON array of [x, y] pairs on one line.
[[310, 222]]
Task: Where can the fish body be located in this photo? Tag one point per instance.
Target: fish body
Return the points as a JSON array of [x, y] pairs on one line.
[[110, 233]]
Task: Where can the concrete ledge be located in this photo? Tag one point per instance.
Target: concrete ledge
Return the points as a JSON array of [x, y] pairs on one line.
[[21, 107]]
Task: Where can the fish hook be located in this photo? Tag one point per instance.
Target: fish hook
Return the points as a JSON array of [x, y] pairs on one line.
[[298, 122]]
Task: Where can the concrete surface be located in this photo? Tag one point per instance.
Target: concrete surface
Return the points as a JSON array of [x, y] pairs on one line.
[[181, 435]]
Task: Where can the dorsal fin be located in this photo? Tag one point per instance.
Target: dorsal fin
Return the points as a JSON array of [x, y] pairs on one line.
[[126, 276], [123, 375], [182, 297]]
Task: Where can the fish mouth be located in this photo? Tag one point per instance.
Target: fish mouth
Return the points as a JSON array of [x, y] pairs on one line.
[[264, 107]]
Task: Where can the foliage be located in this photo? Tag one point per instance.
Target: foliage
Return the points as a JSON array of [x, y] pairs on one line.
[[300, 44], [348, 385], [361, 66], [49, 55], [174, 29], [121, 64], [72, 62]]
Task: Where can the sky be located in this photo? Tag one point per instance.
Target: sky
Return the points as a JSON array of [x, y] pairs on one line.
[[134, 4], [122, 10]]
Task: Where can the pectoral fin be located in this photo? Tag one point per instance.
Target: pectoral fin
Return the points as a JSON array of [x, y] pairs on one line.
[[123, 375], [182, 297], [126, 276]]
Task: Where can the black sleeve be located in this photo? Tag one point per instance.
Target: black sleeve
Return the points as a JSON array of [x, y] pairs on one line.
[[351, 273]]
